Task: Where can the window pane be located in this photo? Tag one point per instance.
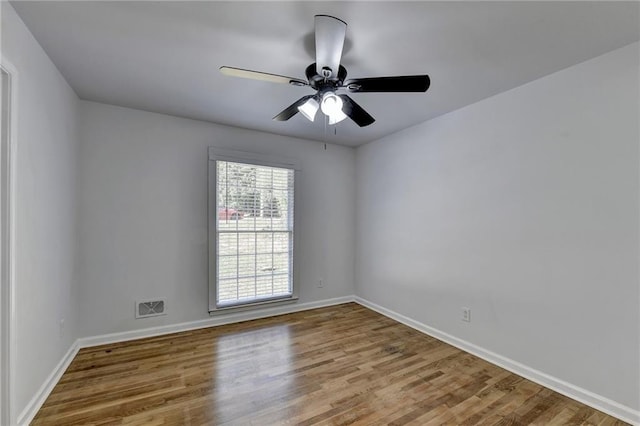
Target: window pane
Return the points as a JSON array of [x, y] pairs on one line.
[[265, 264], [264, 286], [227, 244], [247, 243], [246, 266], [227, 290], [281, 242], [247, 288], [227, 267], [265, 242], [281, 263], [281, 284]]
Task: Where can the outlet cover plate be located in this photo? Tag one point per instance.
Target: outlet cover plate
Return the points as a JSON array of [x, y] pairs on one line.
[[466, 314]]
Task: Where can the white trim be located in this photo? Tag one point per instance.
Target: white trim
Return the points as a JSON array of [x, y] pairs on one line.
[[253, 305], [7, 297], [40, 397], [217, 320], [256, 158], [259, 159], [584, 396]]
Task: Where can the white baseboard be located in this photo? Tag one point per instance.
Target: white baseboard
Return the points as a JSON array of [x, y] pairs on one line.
[[584, 396], [221, 319], [598, 402], [36, 402]]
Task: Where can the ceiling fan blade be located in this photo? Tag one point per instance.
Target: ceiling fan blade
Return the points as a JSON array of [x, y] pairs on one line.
[[330, 33], [292, 109], [263, 76], [407, 83], [355, 111]]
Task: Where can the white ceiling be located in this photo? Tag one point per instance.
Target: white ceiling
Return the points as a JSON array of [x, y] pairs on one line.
[[164, 56]]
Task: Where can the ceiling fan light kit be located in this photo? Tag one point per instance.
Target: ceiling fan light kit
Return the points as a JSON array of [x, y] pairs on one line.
[[326, 76]]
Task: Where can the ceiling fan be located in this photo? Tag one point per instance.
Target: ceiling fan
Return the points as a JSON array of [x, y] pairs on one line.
[[326, 76]]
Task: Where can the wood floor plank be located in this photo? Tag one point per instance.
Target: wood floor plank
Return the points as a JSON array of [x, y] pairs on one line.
[[342, 365]]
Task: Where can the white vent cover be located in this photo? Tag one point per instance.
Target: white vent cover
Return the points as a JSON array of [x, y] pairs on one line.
[[151, 308]]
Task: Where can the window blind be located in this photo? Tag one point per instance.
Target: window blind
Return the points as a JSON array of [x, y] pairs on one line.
[[254, 233]]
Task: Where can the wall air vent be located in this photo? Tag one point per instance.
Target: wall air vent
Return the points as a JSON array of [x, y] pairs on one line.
[[151, 308]]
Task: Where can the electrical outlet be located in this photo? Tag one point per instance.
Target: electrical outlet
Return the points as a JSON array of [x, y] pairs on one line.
[[61, 327], [466, 314], [320, 283]]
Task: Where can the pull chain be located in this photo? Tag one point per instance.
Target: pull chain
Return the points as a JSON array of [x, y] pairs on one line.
[[325, 131]]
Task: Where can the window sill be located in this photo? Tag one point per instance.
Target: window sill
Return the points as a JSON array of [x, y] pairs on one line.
[[253, 305]]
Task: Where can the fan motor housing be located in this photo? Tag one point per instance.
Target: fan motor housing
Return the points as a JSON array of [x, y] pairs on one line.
[[319, 82]]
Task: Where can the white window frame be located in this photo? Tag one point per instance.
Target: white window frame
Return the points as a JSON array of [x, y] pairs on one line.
[[220, 154]]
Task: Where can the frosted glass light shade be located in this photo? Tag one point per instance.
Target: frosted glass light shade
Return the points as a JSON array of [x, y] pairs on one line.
[[309, 109], [337, 117], [331, 103], [332, 107]]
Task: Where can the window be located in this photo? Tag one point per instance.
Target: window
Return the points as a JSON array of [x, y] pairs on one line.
[[251, 234]]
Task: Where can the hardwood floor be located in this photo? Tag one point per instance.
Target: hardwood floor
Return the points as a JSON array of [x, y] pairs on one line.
[[338, 365]]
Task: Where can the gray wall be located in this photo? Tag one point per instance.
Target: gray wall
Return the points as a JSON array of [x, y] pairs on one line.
[[524, 208], [143, 214], [45, 210]]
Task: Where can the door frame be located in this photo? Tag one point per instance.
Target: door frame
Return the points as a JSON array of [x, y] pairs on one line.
[[8, 122]]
